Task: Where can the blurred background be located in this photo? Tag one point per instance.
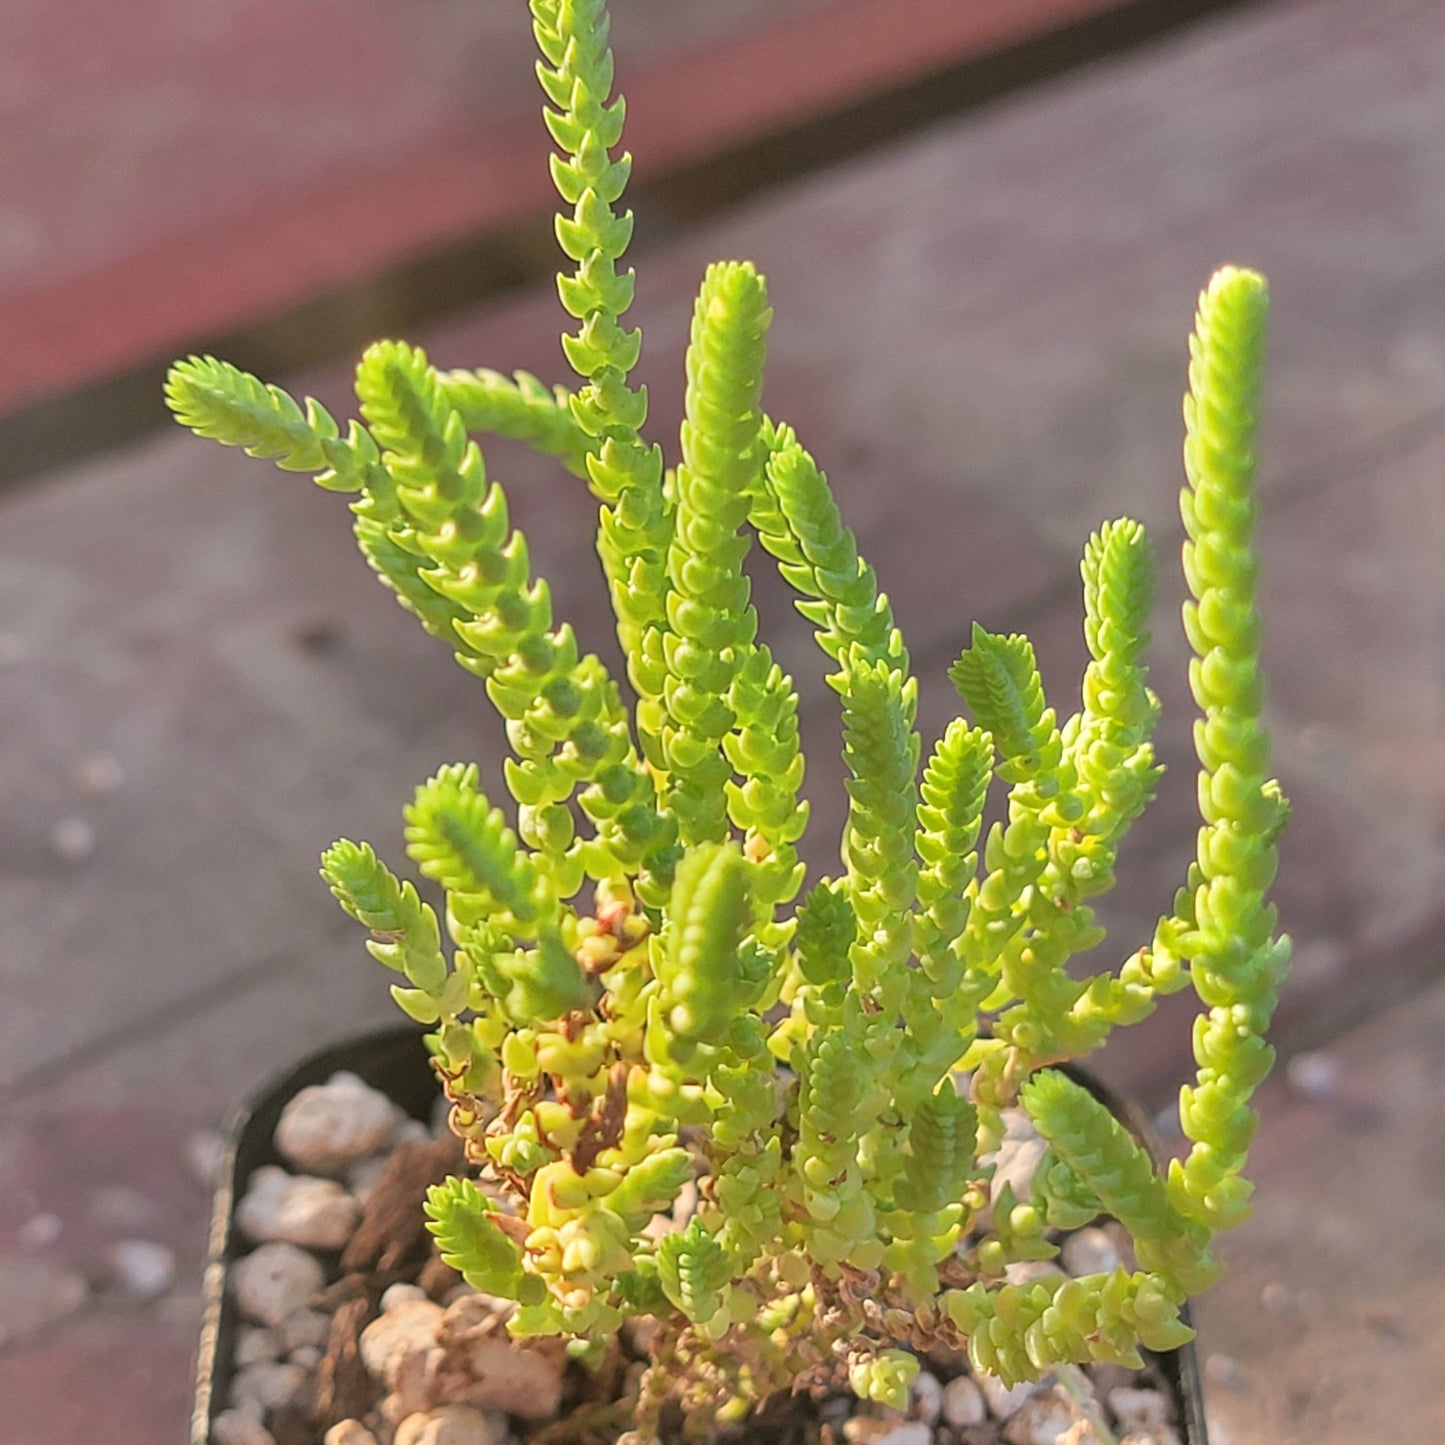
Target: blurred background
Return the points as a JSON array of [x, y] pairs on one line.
[[983, 226]]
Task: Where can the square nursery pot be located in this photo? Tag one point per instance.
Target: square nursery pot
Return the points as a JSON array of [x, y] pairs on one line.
[[394, 1061]]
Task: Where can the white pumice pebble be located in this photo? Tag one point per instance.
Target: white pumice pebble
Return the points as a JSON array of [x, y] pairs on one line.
[[1079, 1433], [391, 1341], [510, 1375], [304, 1327], [882, 1427], [329, 1126], [1041, 1421], [298, 1209], [1005, 1401], [1139, 1409], [908, 1432], [274, 1281], [256, 1342], [963, 1402], [925, 1397], [1018, 1156], [239, 1427], [1089, 1251], [270, 1384]]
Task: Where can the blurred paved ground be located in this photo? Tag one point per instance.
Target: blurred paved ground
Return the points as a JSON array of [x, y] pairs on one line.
[[981, 334]]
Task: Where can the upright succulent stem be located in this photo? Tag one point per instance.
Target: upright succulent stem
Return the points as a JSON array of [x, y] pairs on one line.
[[617, 973]]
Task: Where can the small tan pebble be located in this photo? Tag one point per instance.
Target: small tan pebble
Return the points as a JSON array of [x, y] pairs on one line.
[[1089, 1251], [254, 1342], [873, 1428], [507, 1375], [1028, 1271], [1040, 1421], [398, 1294], [447, 1425], [1164, 1435], [307, 1357], [239, 1427], [400, 1335], [473, 1311], [274, 1281], [1226, 1372], [1136, 1409], [1005, 1401], [268, 1384], [925, 1397], [297, 1209], [305, 1327], [963, 1402], [348, 1432], [1081, 1432], [329, 1126]]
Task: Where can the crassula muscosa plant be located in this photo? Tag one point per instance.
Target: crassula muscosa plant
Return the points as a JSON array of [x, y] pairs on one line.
[[642, 996]]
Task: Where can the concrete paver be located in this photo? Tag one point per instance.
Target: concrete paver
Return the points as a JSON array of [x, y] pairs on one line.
[[1328, 1318], [124, 129]]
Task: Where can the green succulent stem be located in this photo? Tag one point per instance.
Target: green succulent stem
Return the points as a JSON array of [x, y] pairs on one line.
[[1236, 960], [763, 1109]]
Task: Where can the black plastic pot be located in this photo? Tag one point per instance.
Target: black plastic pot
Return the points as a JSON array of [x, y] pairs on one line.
[[394, 1061]]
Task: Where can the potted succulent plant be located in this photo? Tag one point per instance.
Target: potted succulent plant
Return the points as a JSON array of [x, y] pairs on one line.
[[729, 1134]]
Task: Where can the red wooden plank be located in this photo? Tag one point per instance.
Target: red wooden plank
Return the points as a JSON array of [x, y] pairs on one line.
[[142, 306]]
